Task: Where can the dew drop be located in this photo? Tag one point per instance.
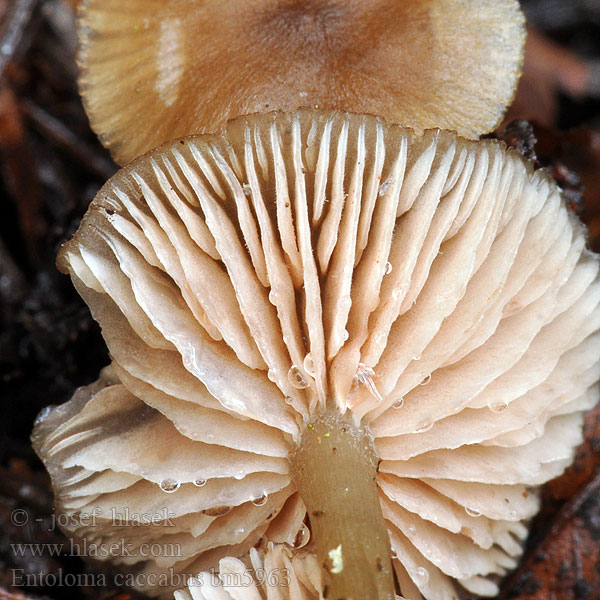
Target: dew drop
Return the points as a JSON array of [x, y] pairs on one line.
[[498, 407], [297, 379], [288, 400], [199, 482], [345, 335], [416, 358], [235, 404], [240, 531], [364, 376], [421, 576], [383, 188], [393, 554], [399, 403], [302, 537], [247, 189], [260, 500], [411, 530], [273, 297], [271, 375], [43, 415], [169, 485], [426, 380], [425, 427], [309, 365], [472, 512], [388, 268]]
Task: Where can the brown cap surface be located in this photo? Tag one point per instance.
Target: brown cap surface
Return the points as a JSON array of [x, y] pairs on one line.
[[435, 289], [155, 70]]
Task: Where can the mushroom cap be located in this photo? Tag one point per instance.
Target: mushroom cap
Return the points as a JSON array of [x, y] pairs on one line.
[[153, 71], [436, 289]]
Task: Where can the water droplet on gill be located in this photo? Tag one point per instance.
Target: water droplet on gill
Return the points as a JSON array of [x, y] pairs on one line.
[[425, 427], [240, 531], [364, 376], [421, 576], [393, 554], [216, 511], [239, 475], [416, 357], [260, 500], [309, 365], [498, 407], [270, 375], [345, 335], [412, 530], [247, 189], [302, 537], [398, 291], [288, 400], [472, 512], [169, 485], [426, 380], [399, 403], [383, 188], [297, 378], [43, 415], [235, 404], [273, 296], [199, 482], [388, 268]]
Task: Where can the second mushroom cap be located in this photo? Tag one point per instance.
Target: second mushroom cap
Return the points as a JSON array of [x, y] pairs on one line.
[[155, 70]]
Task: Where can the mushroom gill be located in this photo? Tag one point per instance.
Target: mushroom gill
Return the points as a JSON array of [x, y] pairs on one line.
[[306, 285], [295, 575], [152, 70]]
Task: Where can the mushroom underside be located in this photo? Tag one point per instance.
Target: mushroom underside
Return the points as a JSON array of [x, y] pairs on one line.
[[435, 291]]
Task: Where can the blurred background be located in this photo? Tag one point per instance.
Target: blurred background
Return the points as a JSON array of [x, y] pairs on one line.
[[51, 166]]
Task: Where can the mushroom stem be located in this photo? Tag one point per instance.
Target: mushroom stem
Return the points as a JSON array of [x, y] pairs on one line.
[[334, 469]]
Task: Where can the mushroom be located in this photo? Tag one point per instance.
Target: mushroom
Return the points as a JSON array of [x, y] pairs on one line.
[[152, 71], [334, 334]]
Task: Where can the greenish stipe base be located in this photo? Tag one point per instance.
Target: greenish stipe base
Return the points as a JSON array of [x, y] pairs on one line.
[[334, 469]]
